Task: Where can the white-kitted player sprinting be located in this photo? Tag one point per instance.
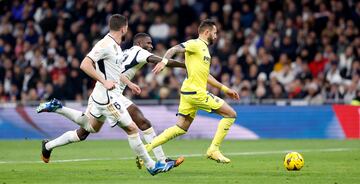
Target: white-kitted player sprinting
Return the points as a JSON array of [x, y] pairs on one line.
[[134, 59], [105, 100]]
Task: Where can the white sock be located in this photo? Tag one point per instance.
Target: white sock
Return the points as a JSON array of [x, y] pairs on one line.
[[77, 117], [149, 135], [139, 149], [64, 139]]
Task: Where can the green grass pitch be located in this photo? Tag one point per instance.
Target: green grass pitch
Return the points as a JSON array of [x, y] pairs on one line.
[[112, 161]]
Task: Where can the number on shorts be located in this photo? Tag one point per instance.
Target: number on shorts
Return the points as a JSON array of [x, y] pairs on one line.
[[117, 105]]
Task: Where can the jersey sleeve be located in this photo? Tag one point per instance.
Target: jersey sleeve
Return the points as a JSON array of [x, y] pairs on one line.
[[142, 56], [190, 46], [97, 53]]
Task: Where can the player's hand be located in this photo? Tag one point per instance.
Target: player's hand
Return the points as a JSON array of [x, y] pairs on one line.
[[233, 94], [109, 85], [158, 68], [135, 89]]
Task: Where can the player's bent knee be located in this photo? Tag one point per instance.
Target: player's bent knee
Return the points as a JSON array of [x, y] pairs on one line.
[[131, 129], [90, 129], [233, 113], [230, 114], [82, 134], [144, 124], [83, 137], [86, 123], [94, 125]]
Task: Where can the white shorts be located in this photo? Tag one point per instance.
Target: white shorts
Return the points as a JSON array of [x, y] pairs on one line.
[[115, 112], [125, 101]]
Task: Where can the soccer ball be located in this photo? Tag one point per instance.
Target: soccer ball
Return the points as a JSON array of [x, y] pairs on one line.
[[293, 161]]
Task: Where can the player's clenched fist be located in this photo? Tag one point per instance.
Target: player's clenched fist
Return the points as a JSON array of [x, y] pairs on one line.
[[135, 89], [109, 85], [233, 94]]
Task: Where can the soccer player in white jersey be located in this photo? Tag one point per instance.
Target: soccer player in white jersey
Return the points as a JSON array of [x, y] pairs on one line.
[[134, 59], [105, 100]]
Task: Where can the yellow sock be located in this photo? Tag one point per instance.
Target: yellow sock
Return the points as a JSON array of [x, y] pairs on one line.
[[164, 137], [221, 132]]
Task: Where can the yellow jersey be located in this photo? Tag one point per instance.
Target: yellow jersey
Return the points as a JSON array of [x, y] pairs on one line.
[[197, 61]]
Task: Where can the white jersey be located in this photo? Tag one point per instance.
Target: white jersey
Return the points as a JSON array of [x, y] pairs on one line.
[[134, 59], [107, 56]]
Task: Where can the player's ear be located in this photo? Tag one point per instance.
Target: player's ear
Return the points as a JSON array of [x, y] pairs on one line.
[[208, 31], [205, 32], [124, 29]]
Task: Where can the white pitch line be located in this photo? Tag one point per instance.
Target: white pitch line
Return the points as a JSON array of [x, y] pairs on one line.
[[186, 155]]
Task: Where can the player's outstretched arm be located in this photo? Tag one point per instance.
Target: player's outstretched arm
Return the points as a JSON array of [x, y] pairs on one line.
[[230, 92], [87, 66], [172, 63], [134, 88], [169, 54]]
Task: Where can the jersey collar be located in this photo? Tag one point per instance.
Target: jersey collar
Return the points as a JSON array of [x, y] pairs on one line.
[[206, 43], [113, 39]]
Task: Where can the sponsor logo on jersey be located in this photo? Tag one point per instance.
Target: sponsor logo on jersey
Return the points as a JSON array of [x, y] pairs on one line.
[[206, 59]]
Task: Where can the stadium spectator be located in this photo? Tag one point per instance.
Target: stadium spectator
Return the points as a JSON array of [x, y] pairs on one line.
[[3, 96], [285, 76], [261, 90], [313, 97], [159, 31]]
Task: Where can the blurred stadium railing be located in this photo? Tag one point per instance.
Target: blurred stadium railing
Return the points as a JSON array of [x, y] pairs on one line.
[[281, 102]]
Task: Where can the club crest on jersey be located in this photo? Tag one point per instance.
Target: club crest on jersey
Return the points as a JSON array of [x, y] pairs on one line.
[[116, 50]]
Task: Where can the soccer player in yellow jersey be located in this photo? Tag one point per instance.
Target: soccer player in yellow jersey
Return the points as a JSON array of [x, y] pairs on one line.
[[194, 95]]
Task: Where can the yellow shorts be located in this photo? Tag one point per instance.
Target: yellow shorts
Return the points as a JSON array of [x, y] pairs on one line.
[[191, 102]]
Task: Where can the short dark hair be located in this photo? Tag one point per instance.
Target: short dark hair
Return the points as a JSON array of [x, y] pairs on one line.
[[139, 36], [117, 21], [206, 24]]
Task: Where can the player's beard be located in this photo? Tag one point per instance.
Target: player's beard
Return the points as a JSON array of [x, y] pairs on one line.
[[210, 40]]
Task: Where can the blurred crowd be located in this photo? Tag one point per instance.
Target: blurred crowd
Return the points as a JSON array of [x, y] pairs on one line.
[[266, 49]]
